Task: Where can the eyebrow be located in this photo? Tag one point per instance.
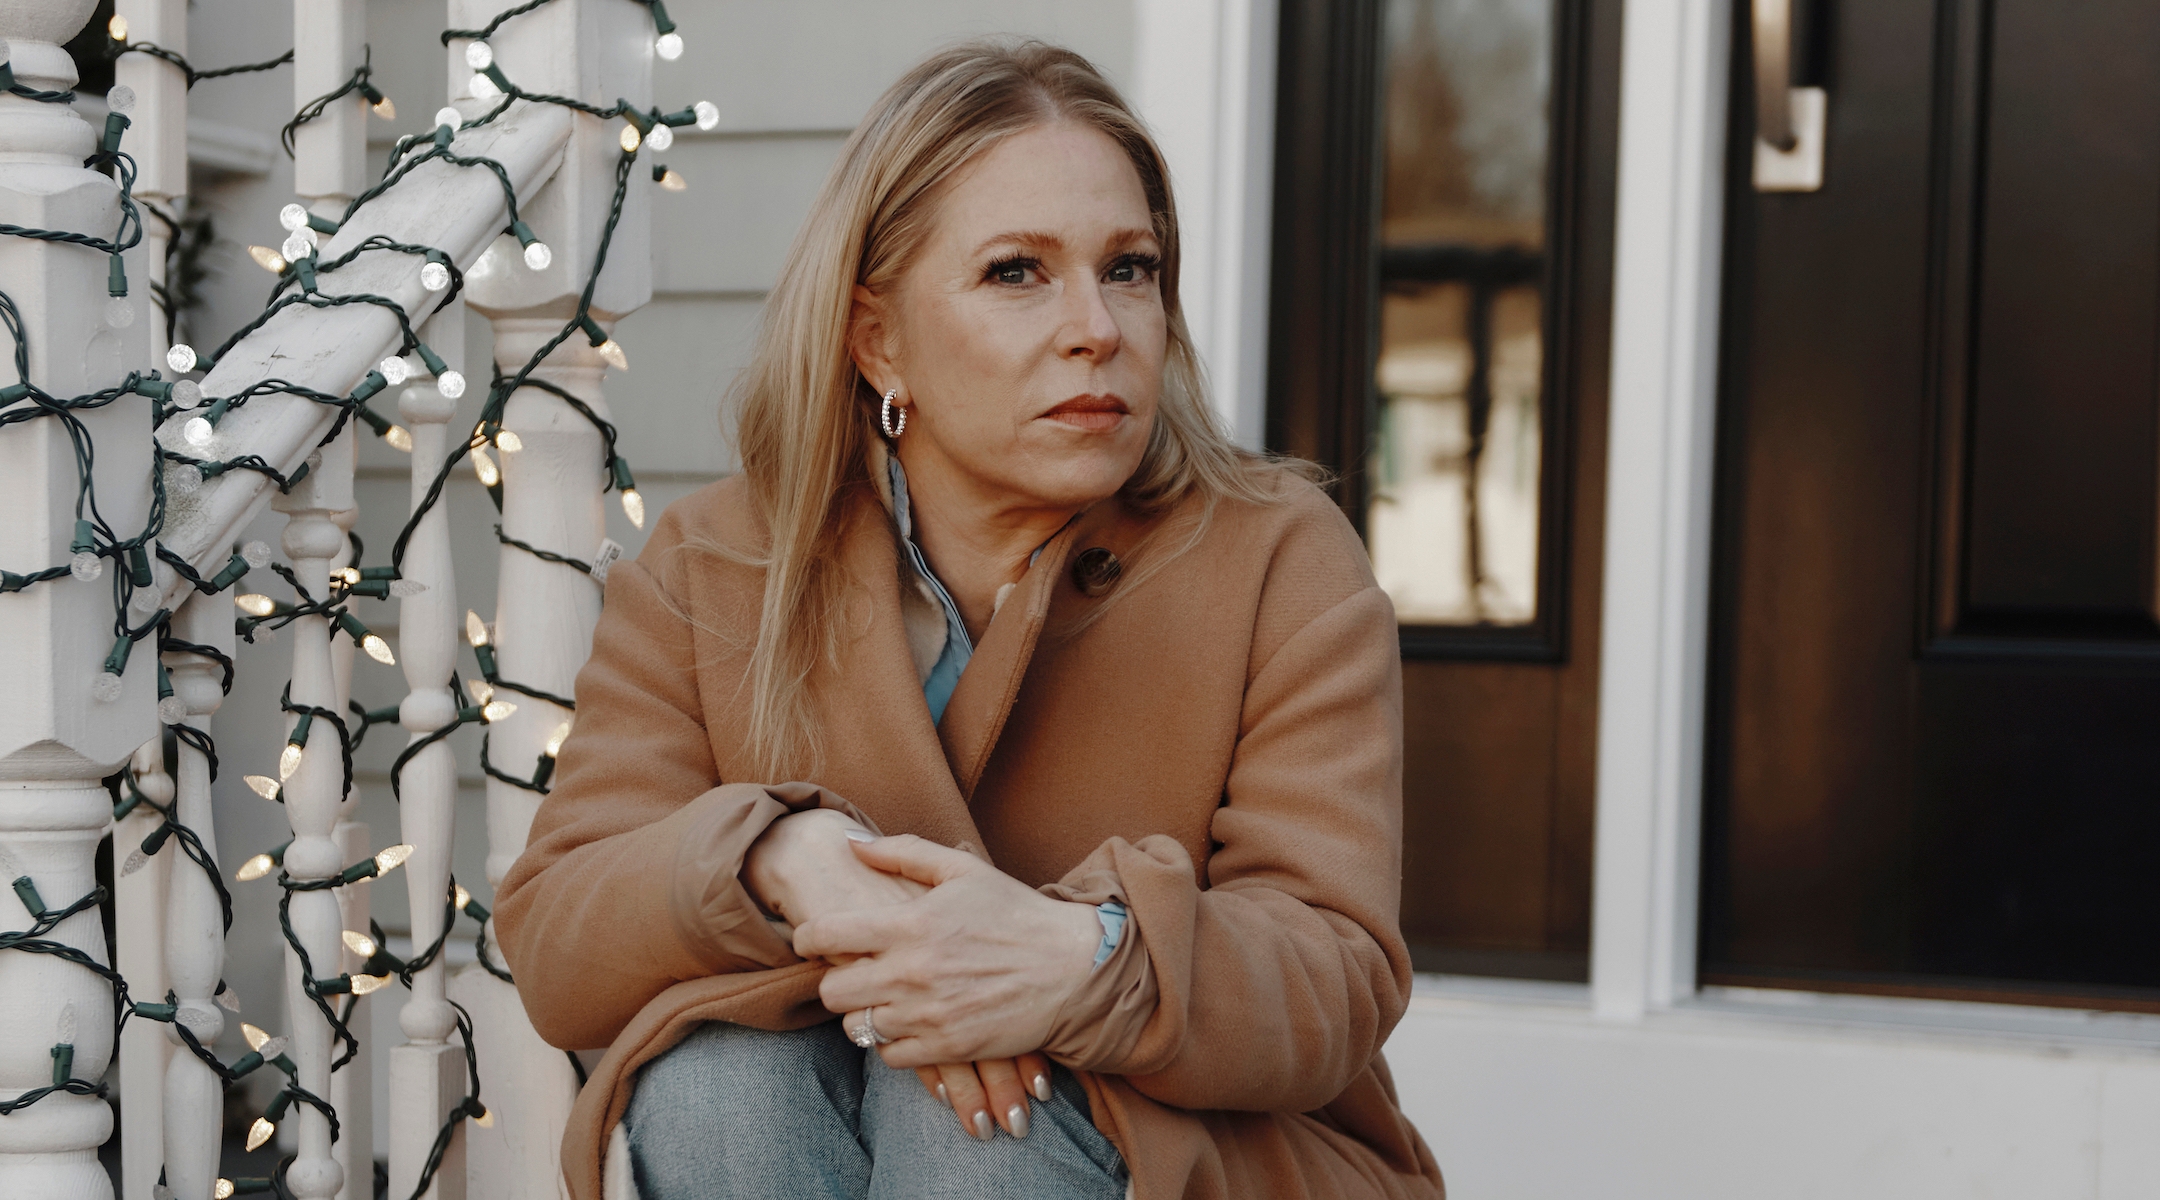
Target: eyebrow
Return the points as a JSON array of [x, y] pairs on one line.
[[1043, 240]]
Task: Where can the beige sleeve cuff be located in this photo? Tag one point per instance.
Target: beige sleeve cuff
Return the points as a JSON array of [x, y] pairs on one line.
[[714, 914], [1100, 1023]]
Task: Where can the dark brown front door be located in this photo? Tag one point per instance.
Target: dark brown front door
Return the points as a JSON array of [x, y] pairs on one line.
[[1934, 739]]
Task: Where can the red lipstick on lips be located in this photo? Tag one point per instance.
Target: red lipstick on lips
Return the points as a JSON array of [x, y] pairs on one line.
[[1092, 413]]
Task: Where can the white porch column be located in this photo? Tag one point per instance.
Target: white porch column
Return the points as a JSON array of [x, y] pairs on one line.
[[157, 140], [56, 740], [427, 1074], [194, 924], [598, 51], [1657, 505]]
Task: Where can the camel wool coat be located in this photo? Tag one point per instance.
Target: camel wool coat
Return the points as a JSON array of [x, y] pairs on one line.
[[1218, 736]]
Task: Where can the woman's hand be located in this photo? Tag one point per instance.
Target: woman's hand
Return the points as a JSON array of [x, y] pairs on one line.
[[976, 969], [998, 1086], [802, 867]]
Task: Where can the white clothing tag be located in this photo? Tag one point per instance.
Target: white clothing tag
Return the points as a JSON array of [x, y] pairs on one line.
[[609, 551]]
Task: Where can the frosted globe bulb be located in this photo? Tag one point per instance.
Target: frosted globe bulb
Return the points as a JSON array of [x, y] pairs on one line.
[[434, 277], [145, 601], [538, 256], [482, 88], [297, 246], [185, 479], [668, 46], [708, 114], [120, 98], [257, 554], [186, 394], [180, 357], [451, 384], [395, 370], [198, 431], [86, 566], [293, 217], [119, 312], [447, 115], [106, 689], [660, 138], [479, 56], [172, 710]]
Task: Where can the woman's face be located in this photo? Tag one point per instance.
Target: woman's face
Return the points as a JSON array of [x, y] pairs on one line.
[[1026, 338]]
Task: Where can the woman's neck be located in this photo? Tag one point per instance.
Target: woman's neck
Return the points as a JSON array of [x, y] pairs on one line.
[[975, 542]]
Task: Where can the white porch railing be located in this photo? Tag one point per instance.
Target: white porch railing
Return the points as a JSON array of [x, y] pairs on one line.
[[531, 183]]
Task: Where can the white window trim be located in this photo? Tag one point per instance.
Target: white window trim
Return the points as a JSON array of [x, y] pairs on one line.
[[1204, 80]]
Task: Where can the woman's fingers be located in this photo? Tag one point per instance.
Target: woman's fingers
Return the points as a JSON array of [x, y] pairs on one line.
[[1007, 1097], [916, 858], [964, 1091], [862, 931], [933, 1082], [1035, 1074]]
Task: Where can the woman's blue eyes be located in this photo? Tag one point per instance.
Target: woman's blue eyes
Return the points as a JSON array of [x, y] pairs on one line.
[[1015, 271]]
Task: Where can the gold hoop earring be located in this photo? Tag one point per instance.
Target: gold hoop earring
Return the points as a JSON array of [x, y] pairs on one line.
[[892, 429]]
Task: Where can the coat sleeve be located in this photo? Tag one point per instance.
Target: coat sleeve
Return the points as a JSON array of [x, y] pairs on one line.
[[629, 882], [1279, 980]]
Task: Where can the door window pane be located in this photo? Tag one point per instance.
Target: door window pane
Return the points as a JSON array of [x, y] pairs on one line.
[[1452, 510]]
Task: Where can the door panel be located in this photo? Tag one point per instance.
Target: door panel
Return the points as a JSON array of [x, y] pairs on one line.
[[1930, 765]]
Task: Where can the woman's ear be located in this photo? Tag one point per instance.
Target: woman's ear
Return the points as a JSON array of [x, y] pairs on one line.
[[870, 340]]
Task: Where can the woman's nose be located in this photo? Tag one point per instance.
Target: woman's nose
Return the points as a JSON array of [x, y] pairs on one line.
[[1091, 330]]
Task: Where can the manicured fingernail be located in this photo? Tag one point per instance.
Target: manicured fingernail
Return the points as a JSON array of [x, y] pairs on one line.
[[942, 1098], [1016, 1120], [860, 835], [1042, 1088], [983, 1129]]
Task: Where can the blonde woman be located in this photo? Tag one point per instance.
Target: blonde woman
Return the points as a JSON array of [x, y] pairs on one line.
[[994, 789]]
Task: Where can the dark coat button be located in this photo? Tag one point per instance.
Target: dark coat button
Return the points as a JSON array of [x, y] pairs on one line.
[[1096, 570]]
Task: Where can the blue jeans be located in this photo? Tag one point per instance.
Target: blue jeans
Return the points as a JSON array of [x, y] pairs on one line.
[[806, 1115]]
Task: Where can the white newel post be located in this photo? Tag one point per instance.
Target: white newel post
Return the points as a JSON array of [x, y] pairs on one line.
[[427, 1074], [157, 139], [329, 169], [56, 740], [194, 923], [598, 51], [314, 792]]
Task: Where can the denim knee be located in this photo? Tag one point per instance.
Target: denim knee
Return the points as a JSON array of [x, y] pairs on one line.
[[733, 1111]]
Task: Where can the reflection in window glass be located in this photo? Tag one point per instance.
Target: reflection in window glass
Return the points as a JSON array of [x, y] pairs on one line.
[[1452, 516]]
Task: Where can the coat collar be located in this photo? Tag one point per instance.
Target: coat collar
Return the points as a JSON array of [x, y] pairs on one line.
[[928, 772]]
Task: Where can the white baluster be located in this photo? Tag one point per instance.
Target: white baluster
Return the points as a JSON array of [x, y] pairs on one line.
[[329, 169], [352, 1087], [56, 740], [194, 923], [552, 499], [427, 1074], [314, 792]]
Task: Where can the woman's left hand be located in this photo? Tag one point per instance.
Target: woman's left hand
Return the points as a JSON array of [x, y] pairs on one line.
[[975, 969]]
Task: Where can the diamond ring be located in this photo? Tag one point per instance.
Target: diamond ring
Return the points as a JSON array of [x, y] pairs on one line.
[[866, 1034]]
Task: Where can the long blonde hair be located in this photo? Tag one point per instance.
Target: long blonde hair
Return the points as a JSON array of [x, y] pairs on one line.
[[805, 412]]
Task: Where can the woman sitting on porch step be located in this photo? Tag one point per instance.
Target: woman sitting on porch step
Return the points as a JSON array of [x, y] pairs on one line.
[[1092, 886]]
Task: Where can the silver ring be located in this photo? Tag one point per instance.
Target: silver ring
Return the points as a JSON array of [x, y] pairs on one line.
[[866, 1034]]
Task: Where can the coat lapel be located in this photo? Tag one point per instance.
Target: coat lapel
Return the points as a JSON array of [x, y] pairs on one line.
[[884, 753]]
